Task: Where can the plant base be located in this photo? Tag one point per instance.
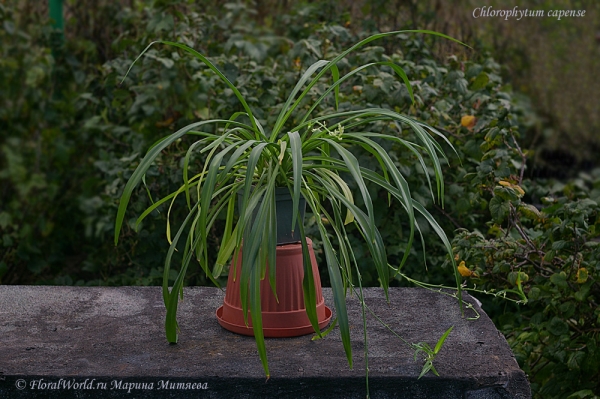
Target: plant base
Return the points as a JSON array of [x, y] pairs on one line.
[[286, 318]]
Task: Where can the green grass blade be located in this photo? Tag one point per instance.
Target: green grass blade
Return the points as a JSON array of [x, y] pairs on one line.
[[335, 86], [372, 236], [171, 327], [354, 169], [335, 72], [333, 62], [308, 281], [158, 203], [228, 241], [326, 332], [172, 301], [269, 241], [253, 242], [442, 235], [206, 196], [345, 190], [249, 180], [400, 182], [296, 148], [256, 314], [225, 251], [337, 287], [237, 155], [186, 165], [140, 171], [170, 252], [287, 110]]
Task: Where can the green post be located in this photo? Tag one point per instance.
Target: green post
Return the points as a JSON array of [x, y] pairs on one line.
[[56, 14], [57, 40]]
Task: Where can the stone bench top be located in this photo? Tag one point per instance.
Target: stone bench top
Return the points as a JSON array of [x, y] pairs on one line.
[[109, 342]]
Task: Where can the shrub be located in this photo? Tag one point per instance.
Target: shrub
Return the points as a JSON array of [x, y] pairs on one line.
[[552, 256]]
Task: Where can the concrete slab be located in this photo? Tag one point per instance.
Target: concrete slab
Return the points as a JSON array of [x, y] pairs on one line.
[[83, 342]]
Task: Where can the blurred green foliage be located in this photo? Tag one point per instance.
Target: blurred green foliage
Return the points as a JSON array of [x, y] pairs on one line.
[[72, 133]]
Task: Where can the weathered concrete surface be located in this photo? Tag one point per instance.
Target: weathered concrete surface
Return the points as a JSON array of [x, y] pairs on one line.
[[114, 336]]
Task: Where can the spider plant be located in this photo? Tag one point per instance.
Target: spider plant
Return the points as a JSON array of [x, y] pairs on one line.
[[313, 159]]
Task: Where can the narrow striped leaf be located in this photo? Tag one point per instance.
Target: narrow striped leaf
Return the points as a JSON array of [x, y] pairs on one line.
[[140, 171], [337, 287], [296, 148]]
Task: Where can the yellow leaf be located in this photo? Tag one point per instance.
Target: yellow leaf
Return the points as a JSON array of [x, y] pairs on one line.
[[464, 270], [582, 275], [468, 121], [519, 190], [515, 187]]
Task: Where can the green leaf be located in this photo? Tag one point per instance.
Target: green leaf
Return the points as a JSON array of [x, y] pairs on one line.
[[268, 249], [337, 286], [440, 342], [372, 237], [354, 169], [559, 279], [426, 367], [534, 293], [506, 193], [558, 245], [480, 81], [401, 184], [326, 332], [575, 360], [461, 85], [308, 282], [146, 162], [296, 148], [584, 291], [256, 314], [585, 393], [558, 327], [345, 190], [206, 196], [499, 208], [228, 241], [530, 211], [288, 108]]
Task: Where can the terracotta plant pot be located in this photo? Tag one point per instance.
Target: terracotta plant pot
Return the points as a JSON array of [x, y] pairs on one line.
[[286, 318]]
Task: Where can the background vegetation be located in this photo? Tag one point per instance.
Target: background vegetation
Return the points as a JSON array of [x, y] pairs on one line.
[[521, 108]]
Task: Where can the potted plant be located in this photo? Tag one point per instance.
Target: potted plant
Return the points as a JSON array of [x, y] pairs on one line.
[[246, 164]]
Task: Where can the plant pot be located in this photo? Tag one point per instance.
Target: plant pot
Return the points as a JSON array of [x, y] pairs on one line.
[[283, 203], [286, 318]]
